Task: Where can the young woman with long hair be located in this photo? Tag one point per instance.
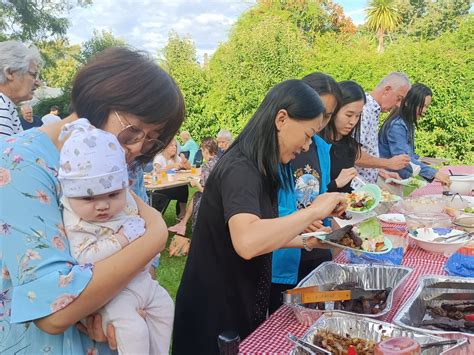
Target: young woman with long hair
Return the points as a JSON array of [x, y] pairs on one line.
[[226, 281], [397, 134]]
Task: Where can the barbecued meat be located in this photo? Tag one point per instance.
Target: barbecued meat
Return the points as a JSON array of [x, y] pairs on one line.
[[449, 316], [372, 305], [339, 345], [350, 239]]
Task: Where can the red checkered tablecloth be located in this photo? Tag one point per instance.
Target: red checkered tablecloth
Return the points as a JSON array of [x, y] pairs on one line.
[[271, 336]]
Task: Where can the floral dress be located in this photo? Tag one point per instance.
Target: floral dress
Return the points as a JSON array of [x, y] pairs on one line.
[[205, 171], [39, 276]]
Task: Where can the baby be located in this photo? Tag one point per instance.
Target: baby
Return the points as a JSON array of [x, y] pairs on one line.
[[100, 218]]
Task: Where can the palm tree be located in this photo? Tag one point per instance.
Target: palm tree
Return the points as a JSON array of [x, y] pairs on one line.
[[382, 16]]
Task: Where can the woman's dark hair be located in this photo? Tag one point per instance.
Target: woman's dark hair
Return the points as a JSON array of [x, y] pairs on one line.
[[350, 92], [129, 81], [323, 84], [258, 141], [210, 145], [410, 107]]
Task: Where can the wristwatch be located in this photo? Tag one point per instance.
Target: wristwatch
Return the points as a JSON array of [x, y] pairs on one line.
[[305, 243]]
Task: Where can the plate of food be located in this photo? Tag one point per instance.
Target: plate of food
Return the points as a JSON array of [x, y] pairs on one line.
[[365, 237], [364, 199], [389, 197]]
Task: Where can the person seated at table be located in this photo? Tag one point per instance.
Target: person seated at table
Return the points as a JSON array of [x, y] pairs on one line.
[[189, 145], [397, 134], [168, 159], [180, 244], [224, 140]]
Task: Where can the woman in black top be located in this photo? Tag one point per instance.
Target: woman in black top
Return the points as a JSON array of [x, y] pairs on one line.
[[341, 131], [226, 281]]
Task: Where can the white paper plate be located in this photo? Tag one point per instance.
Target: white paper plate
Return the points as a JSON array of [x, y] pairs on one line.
[[392, 218]]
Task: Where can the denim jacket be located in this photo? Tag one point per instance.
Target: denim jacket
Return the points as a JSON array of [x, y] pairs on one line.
[[396, 139], [286, 262]]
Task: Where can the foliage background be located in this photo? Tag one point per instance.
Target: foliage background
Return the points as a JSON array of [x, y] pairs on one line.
[[279, 40]]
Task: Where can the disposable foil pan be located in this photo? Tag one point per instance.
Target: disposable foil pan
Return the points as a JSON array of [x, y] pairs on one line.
[[357, 326], [412, 312], [369, 277]]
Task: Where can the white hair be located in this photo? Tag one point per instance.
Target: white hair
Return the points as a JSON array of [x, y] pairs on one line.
[[395, 79], [225, 134], [185, 134], [15, 56], [25, 106]]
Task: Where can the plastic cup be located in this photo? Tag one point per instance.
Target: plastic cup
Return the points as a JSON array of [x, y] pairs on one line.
[[193, 170], [163, 174], [398, 346]]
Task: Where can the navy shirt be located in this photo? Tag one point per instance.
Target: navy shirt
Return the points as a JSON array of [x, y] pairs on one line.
[[27, 125]]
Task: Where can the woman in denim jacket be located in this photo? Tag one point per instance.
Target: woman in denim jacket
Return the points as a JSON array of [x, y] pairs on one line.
[[397, 134]]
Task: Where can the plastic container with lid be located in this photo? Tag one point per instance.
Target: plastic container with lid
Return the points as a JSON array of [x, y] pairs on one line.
[[398, 346], [427, 220]]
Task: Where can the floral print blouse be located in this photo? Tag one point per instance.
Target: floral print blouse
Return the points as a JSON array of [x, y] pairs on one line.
[[39, 276]]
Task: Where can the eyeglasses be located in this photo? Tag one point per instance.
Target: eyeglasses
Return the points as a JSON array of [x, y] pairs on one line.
[[130, 135], [35, 75]]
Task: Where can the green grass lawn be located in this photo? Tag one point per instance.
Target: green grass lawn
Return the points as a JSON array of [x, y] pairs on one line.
[[171, 268]]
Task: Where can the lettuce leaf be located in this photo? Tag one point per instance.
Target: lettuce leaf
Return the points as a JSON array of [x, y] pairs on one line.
[[370, 229]]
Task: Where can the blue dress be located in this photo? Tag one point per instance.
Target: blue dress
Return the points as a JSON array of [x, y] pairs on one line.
[[39, 276]]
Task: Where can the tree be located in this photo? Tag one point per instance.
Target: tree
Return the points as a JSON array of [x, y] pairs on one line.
[[179, 59], [98, 42], [429, 19], [311, 17], [35, 20], [382, 16], [261, 52]]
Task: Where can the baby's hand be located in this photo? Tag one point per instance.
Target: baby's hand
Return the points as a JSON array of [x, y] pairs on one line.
[[122, 239], [133, 228]]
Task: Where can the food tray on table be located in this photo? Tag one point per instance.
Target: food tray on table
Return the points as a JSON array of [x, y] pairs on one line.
[[413, 311], [357, 326], [368, 277]]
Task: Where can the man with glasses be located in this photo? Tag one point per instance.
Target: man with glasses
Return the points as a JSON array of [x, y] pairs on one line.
[[19, 66]]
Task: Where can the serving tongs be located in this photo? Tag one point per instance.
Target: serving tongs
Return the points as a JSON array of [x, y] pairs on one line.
[[325, 293], [334, 237], [455, 238]]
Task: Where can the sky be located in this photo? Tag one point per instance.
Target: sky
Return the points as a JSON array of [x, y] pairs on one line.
[[145, 24]]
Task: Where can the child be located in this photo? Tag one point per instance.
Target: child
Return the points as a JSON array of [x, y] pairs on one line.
[[101, 217]]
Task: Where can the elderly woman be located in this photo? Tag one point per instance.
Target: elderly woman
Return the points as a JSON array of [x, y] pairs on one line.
[[224, 139], [19, 66], [189, 145]]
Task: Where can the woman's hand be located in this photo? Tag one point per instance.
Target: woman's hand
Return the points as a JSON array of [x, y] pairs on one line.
[[398, 162], [345, 176], [443, 178], [95, 332], [184, 163], [330, 203], [317, 226], [384, 174], [153, 219]]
